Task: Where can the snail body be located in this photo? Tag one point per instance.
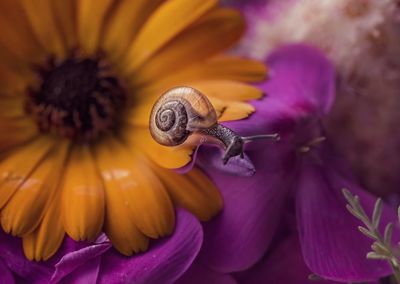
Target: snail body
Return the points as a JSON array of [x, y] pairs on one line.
[[184, 111]]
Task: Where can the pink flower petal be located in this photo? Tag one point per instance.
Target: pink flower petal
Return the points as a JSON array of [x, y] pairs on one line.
[[240, 235], [198, 273], [164, 262], [331, 243]]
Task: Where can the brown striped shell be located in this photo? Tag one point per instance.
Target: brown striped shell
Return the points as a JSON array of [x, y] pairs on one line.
[[178, 113]]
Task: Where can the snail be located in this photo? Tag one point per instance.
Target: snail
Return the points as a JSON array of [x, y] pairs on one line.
[[184, 111]]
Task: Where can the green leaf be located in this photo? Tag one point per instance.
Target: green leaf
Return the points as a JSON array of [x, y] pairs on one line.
[[374, 255], [367, 233], [377, 213], [398, 214], [354, 207], [349, 197], [380, 249], [387, 237], [354, 212], [357, 206], [353, 200]]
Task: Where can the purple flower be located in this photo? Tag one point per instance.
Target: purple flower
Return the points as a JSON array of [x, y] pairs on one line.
[[364, 46], [164, 262], [299, 176], [284, 264]]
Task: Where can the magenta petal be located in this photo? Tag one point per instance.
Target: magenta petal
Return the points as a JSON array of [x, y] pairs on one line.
[[302, 78], [12, 255], [236, 166], [5, 274], [85, 274], [332, 246], [211, 158], [164, 262], [200, 274], [285, 265], [76, 259], [240, 235], [301, 85], [189, 166]]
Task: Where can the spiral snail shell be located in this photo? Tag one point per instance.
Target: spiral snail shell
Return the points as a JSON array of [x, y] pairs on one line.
[[182, 111], [179, 112]]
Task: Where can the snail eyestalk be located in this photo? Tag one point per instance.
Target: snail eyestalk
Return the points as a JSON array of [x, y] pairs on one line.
[[274, 136], [183, 111]]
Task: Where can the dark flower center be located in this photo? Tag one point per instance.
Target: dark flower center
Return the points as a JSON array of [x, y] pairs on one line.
[[78, 99]]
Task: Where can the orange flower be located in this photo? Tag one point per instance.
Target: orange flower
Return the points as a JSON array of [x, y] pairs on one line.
[[78, 81]]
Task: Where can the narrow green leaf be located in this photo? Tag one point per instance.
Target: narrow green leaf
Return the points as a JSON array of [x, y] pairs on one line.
[[347, 194], [377, 213], [374, 255], [380, 249], [354, 212], [357, 206], [398, 214], [367, 233], [387, 236], [354, 204]]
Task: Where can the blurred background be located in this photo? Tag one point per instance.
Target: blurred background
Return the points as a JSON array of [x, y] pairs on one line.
[[362, 38]]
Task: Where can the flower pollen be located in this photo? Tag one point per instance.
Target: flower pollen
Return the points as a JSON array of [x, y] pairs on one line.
[[78, 99]]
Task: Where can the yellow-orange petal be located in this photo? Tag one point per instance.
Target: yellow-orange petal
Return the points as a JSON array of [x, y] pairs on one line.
[[124, 24], [44, 25], [166, 157], [83, 196], [44, 242], [193, 191], [227, 90], [19, 165], [218, 68], [226, 67], [24, 211], [125, 173], [232, 110], [65, 15], [91, 18], [15, 73], [140, 114], [214, 33], [12, 81], [12, 106], [171, 18], [16, 34], [119, 227], [15, 69], [18, 131], [119, 224]]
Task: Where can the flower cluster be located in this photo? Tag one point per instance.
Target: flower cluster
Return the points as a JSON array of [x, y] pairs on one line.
[[76, 153], [93, 198]]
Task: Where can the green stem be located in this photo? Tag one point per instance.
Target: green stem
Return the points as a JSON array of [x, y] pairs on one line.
[[393, 261], [396, 269]]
